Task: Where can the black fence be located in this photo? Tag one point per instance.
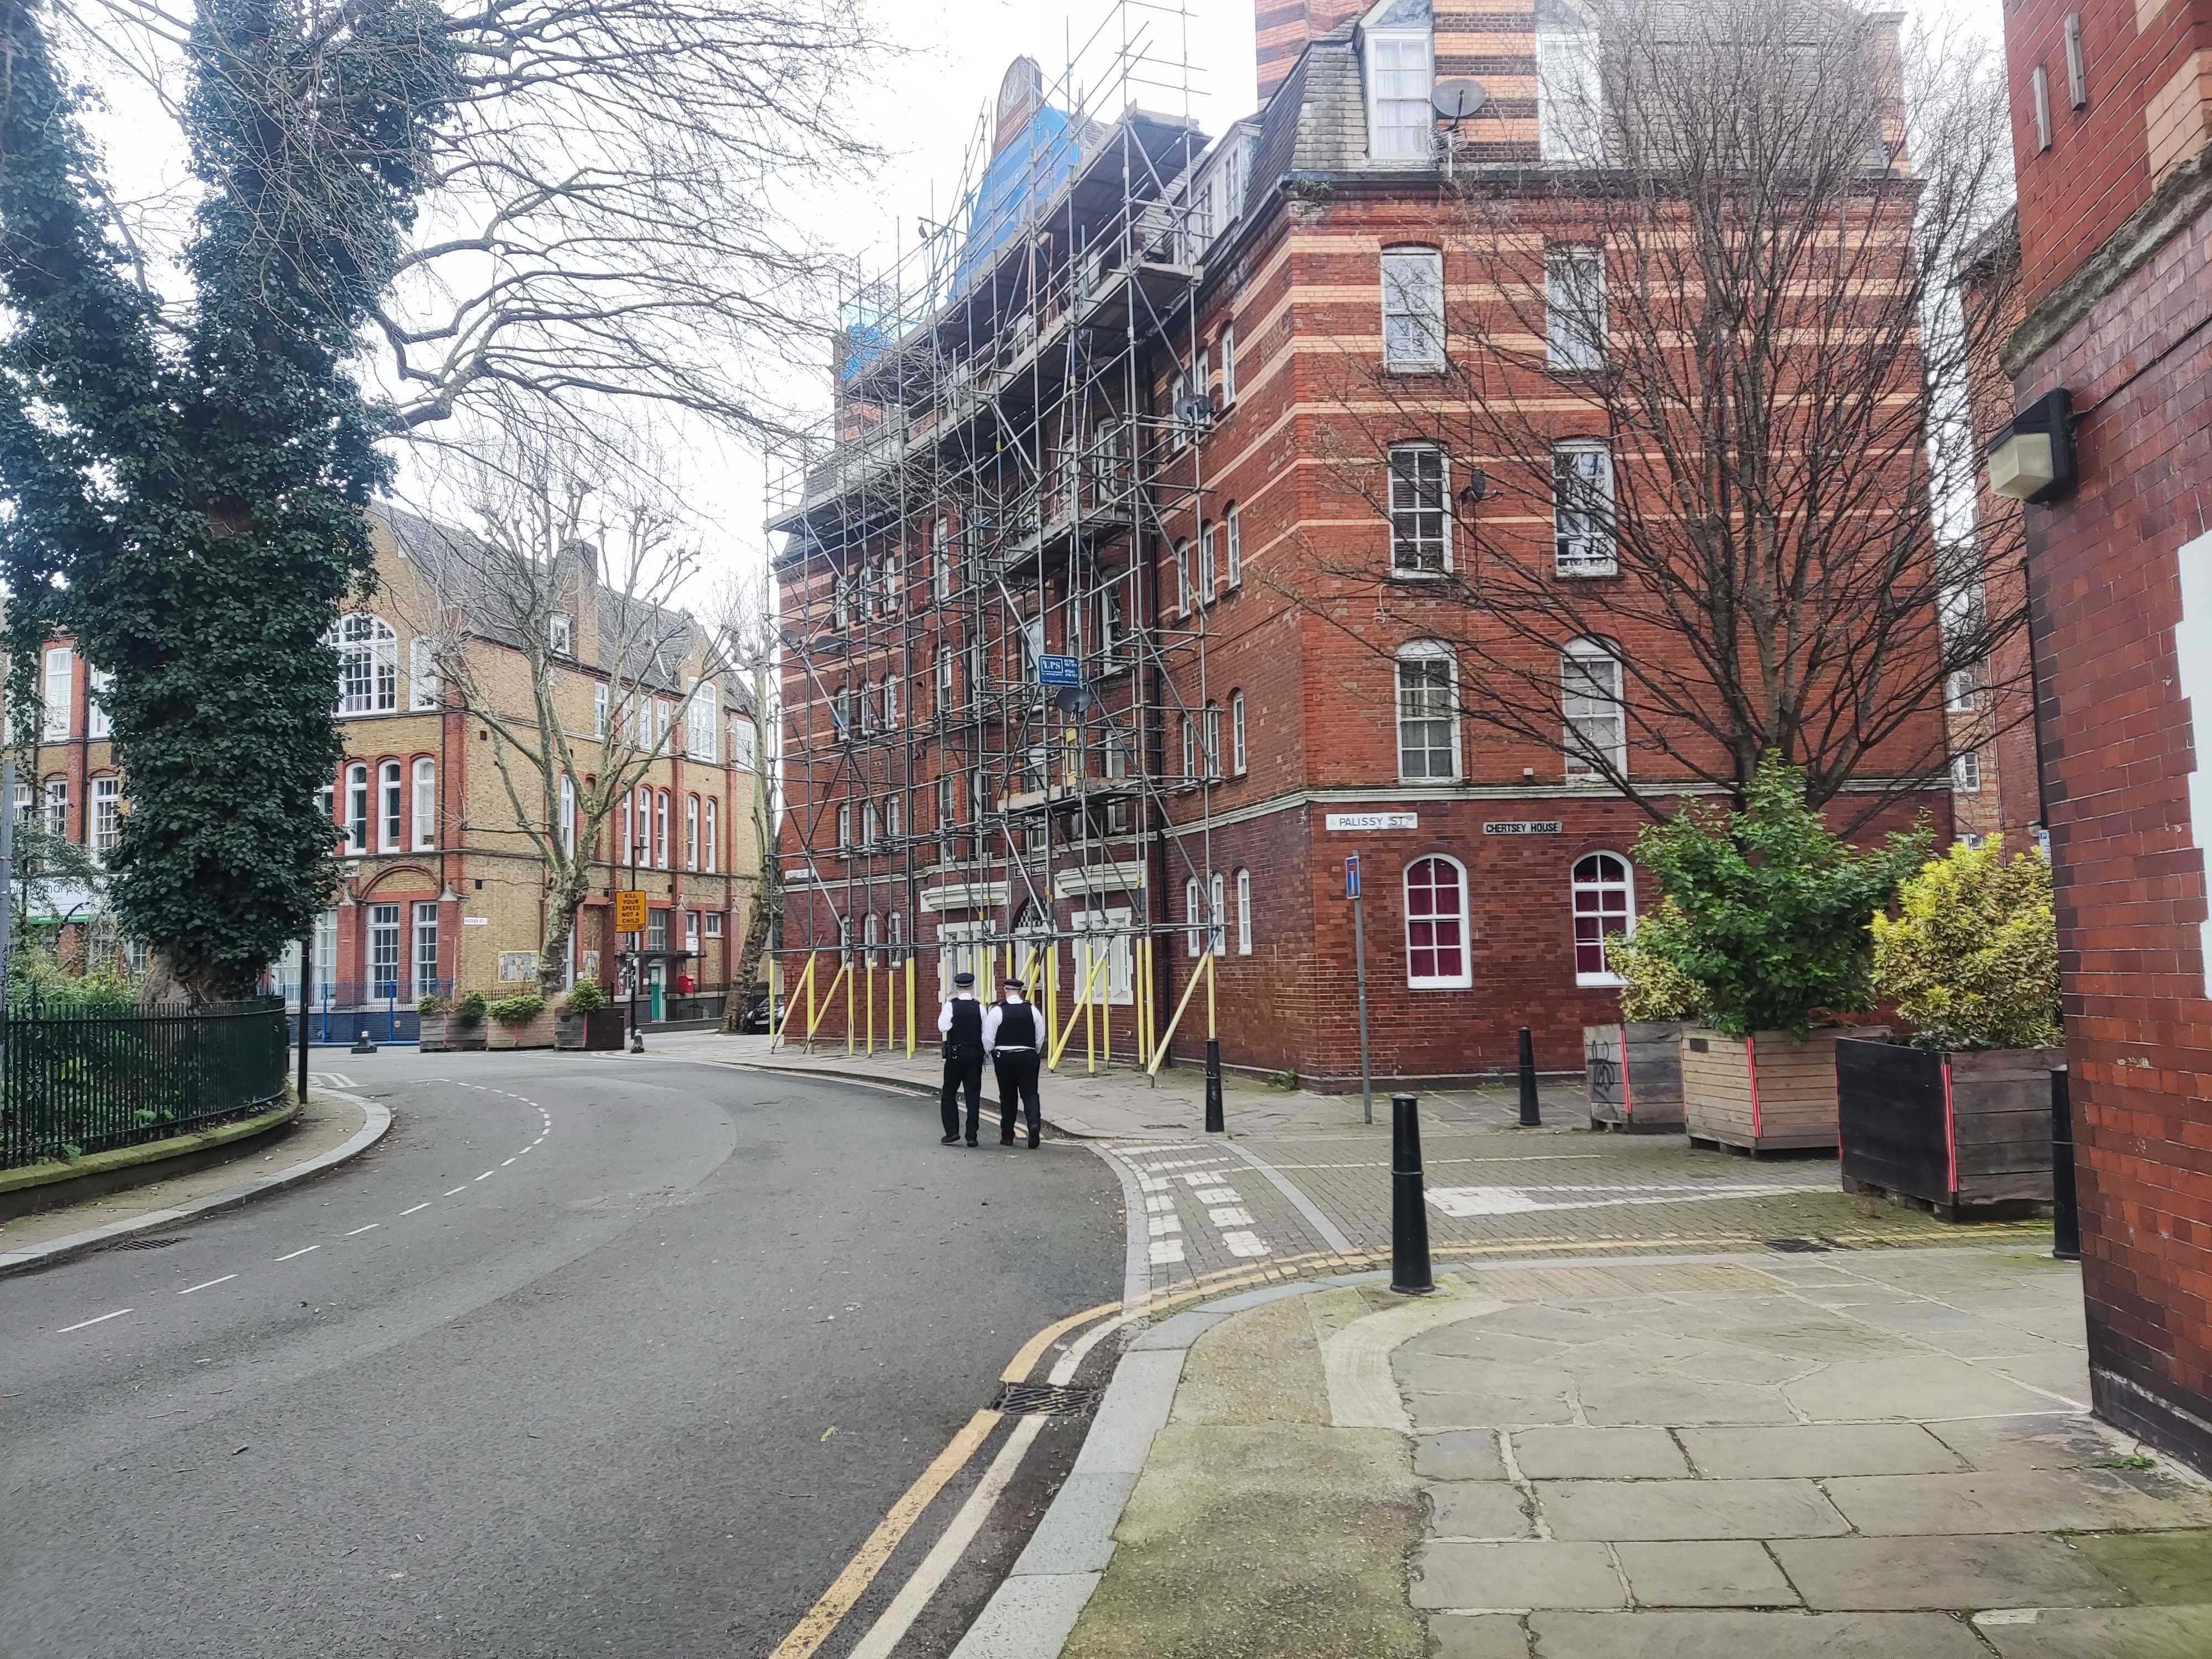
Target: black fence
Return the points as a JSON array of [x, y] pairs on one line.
[[342, 1011], [80, 1081]]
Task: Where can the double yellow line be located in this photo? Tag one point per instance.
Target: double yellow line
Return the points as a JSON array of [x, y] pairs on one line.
[[845, 1590]]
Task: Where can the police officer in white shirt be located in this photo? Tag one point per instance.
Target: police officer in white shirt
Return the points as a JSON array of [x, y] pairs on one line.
[[1012, 1035], [960, 1022]]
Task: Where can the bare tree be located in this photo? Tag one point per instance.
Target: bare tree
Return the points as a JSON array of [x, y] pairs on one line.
[[556, 626], [749, 640], [609, 187], [1677, 480]]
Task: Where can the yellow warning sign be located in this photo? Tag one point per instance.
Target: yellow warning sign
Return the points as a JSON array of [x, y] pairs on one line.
[[629, 912]]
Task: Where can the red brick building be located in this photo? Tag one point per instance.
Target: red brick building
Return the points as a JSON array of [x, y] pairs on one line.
[[2113, 132], [1254, 720]]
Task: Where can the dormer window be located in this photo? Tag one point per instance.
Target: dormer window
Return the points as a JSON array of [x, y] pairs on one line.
[[1401, 62], [1569, 87], [561, 634]]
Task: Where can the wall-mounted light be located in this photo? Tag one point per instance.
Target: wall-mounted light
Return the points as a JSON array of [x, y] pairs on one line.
[[2033, 458]]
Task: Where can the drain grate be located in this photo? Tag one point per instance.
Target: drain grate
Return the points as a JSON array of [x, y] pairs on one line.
[[149, 1244], [1798, 1246], [1044, 1400]]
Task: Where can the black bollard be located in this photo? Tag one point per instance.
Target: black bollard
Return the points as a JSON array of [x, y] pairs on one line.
[[2065, 1209], [1214, 1124], [1409, 1204], [1532, 1116]]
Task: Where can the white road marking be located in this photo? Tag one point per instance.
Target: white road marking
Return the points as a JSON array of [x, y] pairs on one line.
[[1166, 1250], [457, 1189], [1520, 1200], [504, 1162], [424, 1205], [371, 1227], [1217, 1195], [1161, 1205], [1232, 1216], [207, 1285], [487, 1175], [287, 1258], [1165, 1225], [102, 1320], [1246, 1244]]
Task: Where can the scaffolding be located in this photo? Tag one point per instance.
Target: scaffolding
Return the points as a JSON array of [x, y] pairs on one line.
[[994, 716]]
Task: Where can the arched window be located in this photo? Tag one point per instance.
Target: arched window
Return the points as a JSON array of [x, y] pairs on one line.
[[1194, 933], [1233, 535], [392, 821], [1436, 925], [870, 935], [107, 817], [1236, 753], [1428, 713], [1189, 748], [622, 852], [642, 848], [1604, 904], [568, 815], [1218, 913], [691, 832], [660, 828], [707, 852], [1213, 740], [356, 805], [1244, 912], [368, 664], [426, 802]]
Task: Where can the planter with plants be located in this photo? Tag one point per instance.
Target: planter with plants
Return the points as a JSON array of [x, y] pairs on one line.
[[448, 1026], [521, 1021], [1767, 915], [586, 1022], [1958, 1115], [1634, 1070]]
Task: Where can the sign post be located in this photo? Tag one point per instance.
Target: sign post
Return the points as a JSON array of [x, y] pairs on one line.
[[1359, 958], [629, 918]]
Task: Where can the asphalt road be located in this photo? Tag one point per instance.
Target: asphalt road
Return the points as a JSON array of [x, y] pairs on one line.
[[588, 1357]]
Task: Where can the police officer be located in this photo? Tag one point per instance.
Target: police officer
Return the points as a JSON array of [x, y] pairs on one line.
[[1011, 1037], [960, 1022]]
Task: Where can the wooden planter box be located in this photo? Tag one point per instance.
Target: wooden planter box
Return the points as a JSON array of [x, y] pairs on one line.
[[1765, 1093], [443, 1033], [1953, 1131], [1634, 1074], [536, 1032], [596, 1031]]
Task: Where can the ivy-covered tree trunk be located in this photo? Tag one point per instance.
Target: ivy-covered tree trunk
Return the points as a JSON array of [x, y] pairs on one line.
[[222, 481]]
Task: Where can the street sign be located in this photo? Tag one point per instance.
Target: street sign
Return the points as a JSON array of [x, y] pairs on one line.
[[1524, 827], [1059, 671], [629, 912], [1352, 877], [1372, 820]]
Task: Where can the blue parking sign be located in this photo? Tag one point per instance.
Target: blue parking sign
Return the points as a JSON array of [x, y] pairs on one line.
[[1352, 877]]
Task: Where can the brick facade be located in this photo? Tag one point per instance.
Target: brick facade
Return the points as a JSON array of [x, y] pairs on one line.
[[2115, 221]]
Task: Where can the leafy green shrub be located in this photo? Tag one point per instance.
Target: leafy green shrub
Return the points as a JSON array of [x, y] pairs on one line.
[[1770, 907], [36, 978], [1652, 988], [1287, 1081], [1972, 959], [584, 997], [471, 1009], [430, 1004], [517, 1010]]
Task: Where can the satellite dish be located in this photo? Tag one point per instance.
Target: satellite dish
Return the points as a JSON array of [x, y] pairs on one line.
[[1455, 100], [1195, 410], [1076, 700]]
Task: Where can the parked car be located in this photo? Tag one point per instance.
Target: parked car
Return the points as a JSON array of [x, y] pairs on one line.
[[758, 1015]]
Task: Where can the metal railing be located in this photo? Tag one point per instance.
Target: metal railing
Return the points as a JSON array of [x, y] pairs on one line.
[[339, 1010], [88, 1081]]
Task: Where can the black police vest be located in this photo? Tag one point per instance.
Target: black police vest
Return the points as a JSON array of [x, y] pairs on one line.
[[966, 1037], [1016, 1026]]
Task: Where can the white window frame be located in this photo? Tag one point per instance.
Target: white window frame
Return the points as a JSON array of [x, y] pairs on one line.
[[1183, 578], [56, 689], [1576, 683], [1464, 980], [1233, 540], [1399, 63], [891, 703], [1228, 349], [425, 802], [98, 721], [940, 560], [422, 673], [700, 724], [390, 806], [1104, 933], [1237, 754], [1583, 542], [1418, 550], [1244, 912], [1189, 749], [1413, 339], [1211, 588], [1967, 772], [1216, 910], [107, 832], [1962, 689], [561, 634], [57, 808], [423, 943], [710, 834], [1194, 938], [844, 825], [1210, 736], [600, 710], [1426, 653], [362, 637], [568, 815], [1577, 886], [660, 826], [1574, 310], [691, 832], [358, 806], [1570, 91]]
